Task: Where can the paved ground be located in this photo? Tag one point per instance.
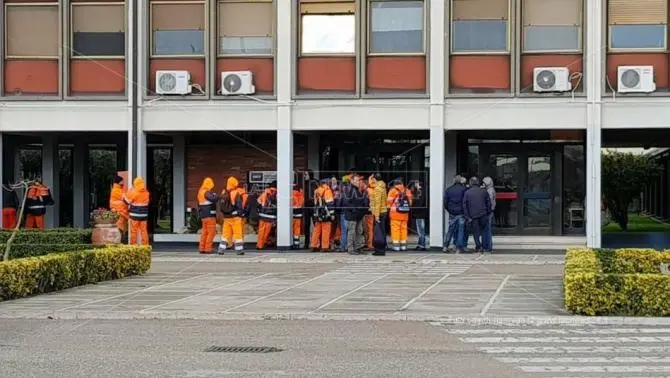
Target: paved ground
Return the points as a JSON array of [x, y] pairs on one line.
[[580, 352], [315, 286]]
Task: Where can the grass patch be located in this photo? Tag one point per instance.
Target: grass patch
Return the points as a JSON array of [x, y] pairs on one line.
[[639, 223]]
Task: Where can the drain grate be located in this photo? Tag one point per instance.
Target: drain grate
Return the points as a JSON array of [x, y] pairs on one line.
[[242, 349]]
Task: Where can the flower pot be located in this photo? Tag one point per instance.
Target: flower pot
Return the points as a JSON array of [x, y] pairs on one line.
[[103, 221], [106, 234]]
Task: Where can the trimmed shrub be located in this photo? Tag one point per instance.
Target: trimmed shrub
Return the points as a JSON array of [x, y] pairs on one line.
[[50, 236], [58, 271], [33, 250], [623, 282]]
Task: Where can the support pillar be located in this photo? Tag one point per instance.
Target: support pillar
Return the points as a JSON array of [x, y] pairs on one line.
[[436, 177], [2, 171], [50, 168], [284, 188], [80, 185], [178, 183], [595, 83]]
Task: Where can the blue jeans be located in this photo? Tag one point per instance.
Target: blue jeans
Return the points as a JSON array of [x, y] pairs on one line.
[[456, 231], [481, 232], [421, 231], [343, 232]]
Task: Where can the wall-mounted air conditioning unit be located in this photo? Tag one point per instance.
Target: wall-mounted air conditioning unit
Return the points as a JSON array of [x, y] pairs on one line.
[[551, 79], [237, 83], [635, 79], [173, 82]]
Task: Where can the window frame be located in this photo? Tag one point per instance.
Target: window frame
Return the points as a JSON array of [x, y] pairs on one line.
[[205, 50], [580, 33], [5, 37], [301, 54], [424, 33], [508, 31], [273, 36], [634, 49], [72, 27]]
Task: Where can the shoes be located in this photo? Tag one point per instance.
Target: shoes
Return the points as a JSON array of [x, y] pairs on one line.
[[205, 253], [379, 254], [239, 253], [458, 251], [316, 250]]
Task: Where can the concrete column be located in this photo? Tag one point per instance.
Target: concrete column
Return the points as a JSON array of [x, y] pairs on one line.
[[436, 177], [50, 168], [313, 153], [178, 183], [284, 188], [80, 185], [437, 51], [2, 170]]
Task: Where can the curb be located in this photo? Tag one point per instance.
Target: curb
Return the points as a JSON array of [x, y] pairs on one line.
[[567, 320], [279, 260]]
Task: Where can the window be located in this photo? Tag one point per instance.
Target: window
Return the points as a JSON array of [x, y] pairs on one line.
[[31, 31], [327, 27], [552, 25], [396, 26], [245, 28], [98, 30], [480, 26], [637, 25], [178, 29]]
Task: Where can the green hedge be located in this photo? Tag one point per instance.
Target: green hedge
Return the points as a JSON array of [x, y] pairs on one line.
[[623, 282], [33, 250], [58, 271], [50, 236]]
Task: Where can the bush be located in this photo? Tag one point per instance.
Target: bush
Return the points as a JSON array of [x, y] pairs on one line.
[[623, 282], [33, 250], [50, 236], [58, 271]]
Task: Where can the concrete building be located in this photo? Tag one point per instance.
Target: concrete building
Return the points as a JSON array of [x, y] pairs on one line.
[[433, 86]]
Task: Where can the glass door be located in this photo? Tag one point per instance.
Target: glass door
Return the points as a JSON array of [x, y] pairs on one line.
[[504, 170], [537, 194]]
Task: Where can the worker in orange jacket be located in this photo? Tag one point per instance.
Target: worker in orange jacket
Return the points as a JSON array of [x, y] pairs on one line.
[[324, 214], [137, 200], [207, 212], [268, 214], [39, 197], [232, 207], [117, 205], [298, 204], [399, 201]]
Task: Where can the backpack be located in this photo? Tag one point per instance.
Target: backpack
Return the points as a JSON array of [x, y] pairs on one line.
[[402, 203], [225, 204], [322, 213]]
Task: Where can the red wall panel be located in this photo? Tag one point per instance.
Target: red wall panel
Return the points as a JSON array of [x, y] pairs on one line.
[[327, 74], [35, 76], [490, 72], [98, 76], [396, 74]]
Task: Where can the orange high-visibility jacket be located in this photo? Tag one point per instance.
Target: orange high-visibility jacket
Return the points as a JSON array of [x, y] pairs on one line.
[[392, 202], [298, 202], [116, 202], [138, 200]]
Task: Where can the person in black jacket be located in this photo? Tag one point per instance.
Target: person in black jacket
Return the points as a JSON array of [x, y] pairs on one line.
[[355, 203], [453, 203], [477, 209], [10, 204], [309, 185], [419, 213]]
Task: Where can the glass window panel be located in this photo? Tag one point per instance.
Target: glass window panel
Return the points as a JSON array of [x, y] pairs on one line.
[[246, 28], [479, 35], [551, 38], [637, 36], [179, 42], [328, 34], [245, 45], [32, 31], [98, 44], [396, 27]]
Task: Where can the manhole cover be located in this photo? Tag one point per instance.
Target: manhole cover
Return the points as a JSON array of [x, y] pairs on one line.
[[242, 349]]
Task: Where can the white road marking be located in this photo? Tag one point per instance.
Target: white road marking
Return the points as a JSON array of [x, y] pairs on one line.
[[229, 284], [576, 349], [583, 360], [276, 293], [596, 369], [133, 292], [429, 288], [564, 331], [571, 340], [348, 293], [495, 295]]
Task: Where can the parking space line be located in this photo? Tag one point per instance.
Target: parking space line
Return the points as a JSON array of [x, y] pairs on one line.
[[429, 288], [495, 296], [348, 293]]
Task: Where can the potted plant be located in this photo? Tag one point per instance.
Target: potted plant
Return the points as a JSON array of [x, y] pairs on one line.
[[105, 231]]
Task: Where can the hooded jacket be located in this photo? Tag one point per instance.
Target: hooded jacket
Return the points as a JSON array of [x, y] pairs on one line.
[[138, 199], [298, 201], [268, 204], [116, 202], [378, 198], [324, 200], [207, 199], [392, 201], [490, 189], [39, 197], [238, 199]]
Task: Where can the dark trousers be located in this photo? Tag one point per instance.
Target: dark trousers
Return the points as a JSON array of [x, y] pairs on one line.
[[480, 231], [383, 220], [307, 213]]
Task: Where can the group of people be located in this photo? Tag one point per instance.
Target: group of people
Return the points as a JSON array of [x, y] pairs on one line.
[[132, 206], [471, 206], [38, 198]]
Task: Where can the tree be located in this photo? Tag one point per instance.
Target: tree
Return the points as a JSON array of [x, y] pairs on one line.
[[624, 176], [24, 185]]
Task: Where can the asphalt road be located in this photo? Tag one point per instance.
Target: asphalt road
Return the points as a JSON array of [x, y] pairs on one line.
[[165, 348]]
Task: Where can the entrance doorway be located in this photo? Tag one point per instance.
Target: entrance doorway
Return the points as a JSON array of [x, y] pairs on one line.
[[527, 180]]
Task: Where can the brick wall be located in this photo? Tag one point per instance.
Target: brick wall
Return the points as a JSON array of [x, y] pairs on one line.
[[222, 161]]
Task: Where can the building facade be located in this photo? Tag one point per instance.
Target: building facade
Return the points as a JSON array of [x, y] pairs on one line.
[[458, 75]]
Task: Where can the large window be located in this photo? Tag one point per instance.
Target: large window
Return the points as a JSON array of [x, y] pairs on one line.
[[396, 27], [327, 28], [98, 30], [245, 27], [480, 26], [178, 29], [637, 25], [552, 25], [31, 31]]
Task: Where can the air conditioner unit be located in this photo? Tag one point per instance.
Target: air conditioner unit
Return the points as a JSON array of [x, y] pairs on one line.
[[635, 79], [551, 79], [173, 82], [237, 83]]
